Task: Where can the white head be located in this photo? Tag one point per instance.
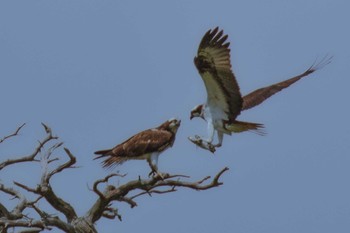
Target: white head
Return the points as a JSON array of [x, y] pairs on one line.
[[171, 125], [197, 111]]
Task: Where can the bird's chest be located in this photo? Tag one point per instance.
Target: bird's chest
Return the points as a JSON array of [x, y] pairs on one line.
[[215, 116]]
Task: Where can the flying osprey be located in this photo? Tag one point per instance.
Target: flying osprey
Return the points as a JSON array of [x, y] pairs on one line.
[[147, 144], [224, 100]]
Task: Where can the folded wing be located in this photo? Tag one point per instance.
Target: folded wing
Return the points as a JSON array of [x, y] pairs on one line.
[[137, 146]]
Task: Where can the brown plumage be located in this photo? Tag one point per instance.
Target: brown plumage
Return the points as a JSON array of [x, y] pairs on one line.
[[224, 101], [260, 95], [214, 65], [144, 145]]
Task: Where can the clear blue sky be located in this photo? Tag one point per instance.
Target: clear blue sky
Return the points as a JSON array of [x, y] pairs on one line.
[[99, 71]]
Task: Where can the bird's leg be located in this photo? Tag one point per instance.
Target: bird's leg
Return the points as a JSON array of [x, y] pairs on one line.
[[205, 144], [220, 138], [211, 131], [153, 163]]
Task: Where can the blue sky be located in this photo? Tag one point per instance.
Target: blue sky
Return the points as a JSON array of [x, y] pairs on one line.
[[98, 72]]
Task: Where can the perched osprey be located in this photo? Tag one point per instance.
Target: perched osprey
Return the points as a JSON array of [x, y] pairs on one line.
[[224, 100], [147, 144]]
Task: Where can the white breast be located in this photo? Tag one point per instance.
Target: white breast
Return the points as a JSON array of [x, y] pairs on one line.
[[215, 115]]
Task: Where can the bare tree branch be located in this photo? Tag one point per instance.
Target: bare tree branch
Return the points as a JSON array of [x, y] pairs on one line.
[[31, 157], [45, 190], [51, 220], [128, 201], [8, 223], [13, 134], [104, 180], [39, 219], [31, 231], [25, 187], [148, 186], [149, 192], [16, 213], [111, 213], [69, 164]]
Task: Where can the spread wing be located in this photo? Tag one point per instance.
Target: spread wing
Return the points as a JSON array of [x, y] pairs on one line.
[[260, 95], [214, 66]]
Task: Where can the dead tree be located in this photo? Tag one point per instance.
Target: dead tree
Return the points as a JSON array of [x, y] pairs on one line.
[[39, 219]]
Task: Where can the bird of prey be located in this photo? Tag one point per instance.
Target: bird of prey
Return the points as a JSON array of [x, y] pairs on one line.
[[147, 144], [224, 100]]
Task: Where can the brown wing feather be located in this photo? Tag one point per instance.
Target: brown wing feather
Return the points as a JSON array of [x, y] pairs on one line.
[[214, 65], [145, 142], [260, 95]]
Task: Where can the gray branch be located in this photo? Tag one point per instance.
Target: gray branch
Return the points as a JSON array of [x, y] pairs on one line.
[[45, 190], [30, 157], [16, 213], [39, 220], [149, 186], [13, 134]]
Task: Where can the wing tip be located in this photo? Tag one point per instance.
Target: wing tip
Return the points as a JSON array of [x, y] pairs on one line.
[[320, 64], [214, 37]]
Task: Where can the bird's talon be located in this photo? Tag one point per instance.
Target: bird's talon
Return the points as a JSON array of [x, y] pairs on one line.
[[212, 149], [160, 175]]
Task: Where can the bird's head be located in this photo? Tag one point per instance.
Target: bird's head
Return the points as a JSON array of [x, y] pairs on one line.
[[171, 125], [197, 112]]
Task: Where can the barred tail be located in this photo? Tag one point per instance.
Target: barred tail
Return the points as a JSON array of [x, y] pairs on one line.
[[241, 126], [111, 161], [102, 153]]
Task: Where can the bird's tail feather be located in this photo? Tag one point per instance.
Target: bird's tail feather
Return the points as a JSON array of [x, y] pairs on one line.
[[241, 126], [101, 153], [113, 161]]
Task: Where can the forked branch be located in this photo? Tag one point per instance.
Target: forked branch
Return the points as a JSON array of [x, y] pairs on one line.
[[154, 185], [108, 195], [13, 134], [31, 157]]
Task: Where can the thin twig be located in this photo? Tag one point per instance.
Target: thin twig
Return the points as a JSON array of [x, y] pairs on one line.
[[148, 186], [149, 192], [13, 134], [26, 187], [111, 213], [36, 151], [104, 180], [129, 201], [69, 164]]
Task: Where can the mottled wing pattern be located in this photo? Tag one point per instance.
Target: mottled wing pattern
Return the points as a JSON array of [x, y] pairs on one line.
[[214, 65], [145, 142], [260, 95]]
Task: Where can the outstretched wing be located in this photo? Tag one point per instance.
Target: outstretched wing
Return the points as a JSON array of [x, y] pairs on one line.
[[214, 66], [260, 95]]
